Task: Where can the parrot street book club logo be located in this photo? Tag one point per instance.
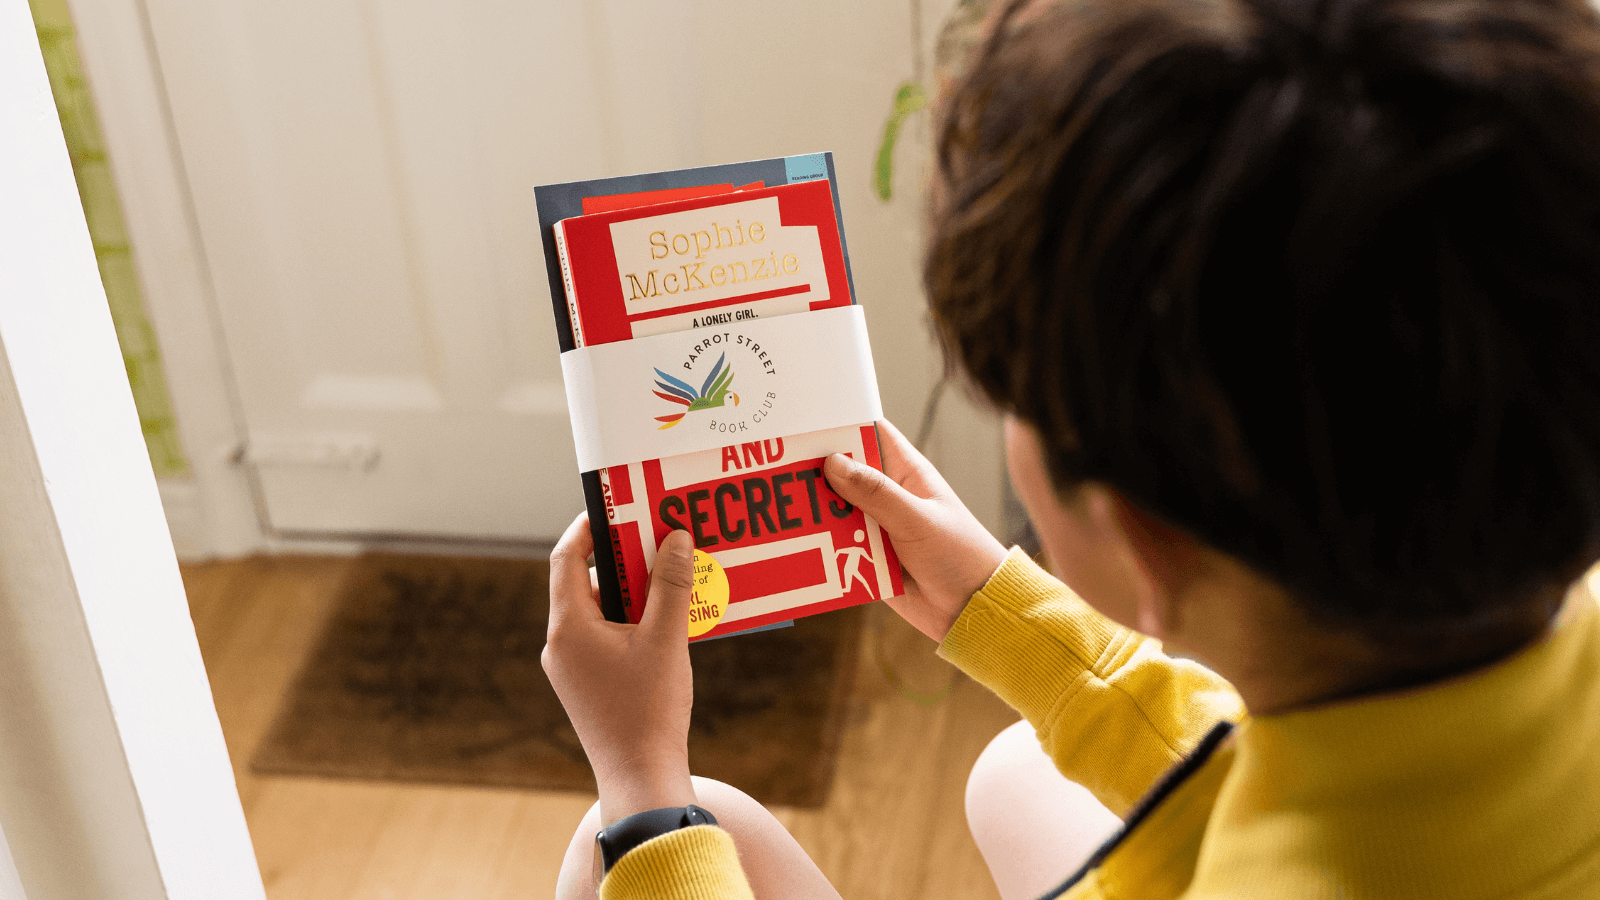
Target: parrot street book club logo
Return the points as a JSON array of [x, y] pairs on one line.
[[716, 389]]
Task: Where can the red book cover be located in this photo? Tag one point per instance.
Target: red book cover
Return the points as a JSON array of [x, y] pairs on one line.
[[790, 546]]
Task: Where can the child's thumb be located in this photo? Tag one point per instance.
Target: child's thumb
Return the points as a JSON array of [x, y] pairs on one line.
[[671, 584]]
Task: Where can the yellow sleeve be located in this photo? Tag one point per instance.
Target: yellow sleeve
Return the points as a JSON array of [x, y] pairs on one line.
[[1110, 708], [695, 863]]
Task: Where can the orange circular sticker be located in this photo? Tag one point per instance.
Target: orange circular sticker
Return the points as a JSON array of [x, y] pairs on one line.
[[710, 598]]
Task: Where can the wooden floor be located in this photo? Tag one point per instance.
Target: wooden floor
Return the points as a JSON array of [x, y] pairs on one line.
[[893, 828]]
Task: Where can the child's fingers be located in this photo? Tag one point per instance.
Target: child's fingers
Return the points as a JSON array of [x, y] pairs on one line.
[[902, 459], [569, 574], [899, 511], [671, 583]]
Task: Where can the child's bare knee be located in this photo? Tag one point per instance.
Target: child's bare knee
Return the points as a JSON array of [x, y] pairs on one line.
[[736, 811], [591, 820], [1000, 766]]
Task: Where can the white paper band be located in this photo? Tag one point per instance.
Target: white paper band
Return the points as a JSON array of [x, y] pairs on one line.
[[790, 374]]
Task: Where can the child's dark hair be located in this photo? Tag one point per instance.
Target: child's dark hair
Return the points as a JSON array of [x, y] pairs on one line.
[[1318, 282]]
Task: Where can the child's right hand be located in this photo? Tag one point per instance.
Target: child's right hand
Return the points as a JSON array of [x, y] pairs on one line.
[[946, 553]]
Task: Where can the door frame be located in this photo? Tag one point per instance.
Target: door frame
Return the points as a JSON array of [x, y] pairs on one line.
[[115, 781]]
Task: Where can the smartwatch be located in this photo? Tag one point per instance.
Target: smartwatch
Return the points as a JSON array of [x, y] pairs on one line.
[[625, 834]]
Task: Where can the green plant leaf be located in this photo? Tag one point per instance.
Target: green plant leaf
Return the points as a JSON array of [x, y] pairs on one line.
[[908, 98]]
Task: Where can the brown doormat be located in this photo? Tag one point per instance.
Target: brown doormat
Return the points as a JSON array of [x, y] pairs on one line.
[[429, 672]]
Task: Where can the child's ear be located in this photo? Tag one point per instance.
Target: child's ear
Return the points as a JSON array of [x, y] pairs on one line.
[[1163, 561]]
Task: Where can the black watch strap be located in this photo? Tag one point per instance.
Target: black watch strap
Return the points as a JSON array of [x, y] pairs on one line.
[[626, 834]]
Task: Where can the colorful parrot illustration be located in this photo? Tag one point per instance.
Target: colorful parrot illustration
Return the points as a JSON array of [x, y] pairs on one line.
[[713, 393]]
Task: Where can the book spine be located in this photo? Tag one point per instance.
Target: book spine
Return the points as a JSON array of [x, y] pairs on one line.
[[614, 603], [566, 280]]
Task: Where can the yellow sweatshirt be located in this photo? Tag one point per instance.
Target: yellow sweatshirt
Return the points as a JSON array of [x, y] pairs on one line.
[[1482, 787]]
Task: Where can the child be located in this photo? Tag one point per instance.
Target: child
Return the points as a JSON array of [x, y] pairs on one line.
[[1294, 307]]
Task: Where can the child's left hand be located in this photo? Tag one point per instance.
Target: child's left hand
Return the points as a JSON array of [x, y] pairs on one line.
[[627, 688]]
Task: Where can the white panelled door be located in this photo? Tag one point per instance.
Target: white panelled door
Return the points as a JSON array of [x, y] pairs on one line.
[[362, 173]]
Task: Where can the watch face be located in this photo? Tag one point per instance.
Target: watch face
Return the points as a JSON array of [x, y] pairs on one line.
[[599, 861]]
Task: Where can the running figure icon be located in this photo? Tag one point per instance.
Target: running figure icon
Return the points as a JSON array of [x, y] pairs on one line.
[[850, 565]]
